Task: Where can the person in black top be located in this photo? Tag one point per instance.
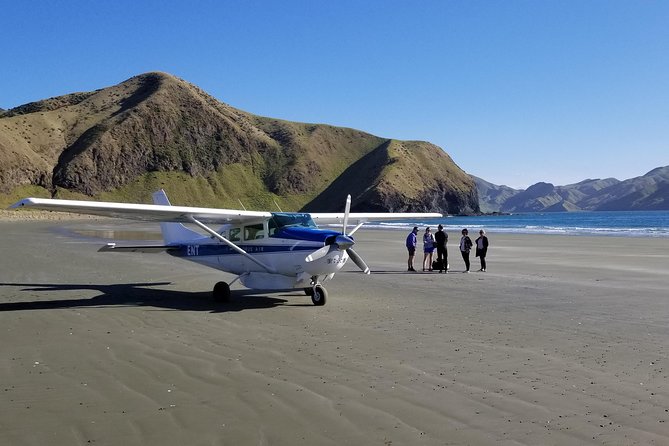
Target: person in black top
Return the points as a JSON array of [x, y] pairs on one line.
[[482, 248], [465, 247], [441, 238]]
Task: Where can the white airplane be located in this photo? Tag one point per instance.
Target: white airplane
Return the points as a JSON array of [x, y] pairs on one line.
[[266, 250]]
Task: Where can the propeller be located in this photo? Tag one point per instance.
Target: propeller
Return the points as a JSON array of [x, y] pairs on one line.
[[321, 252], [347, 209], [342, 242], [358, 260]]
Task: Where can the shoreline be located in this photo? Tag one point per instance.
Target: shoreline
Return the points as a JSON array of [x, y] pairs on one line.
[[452, 230]]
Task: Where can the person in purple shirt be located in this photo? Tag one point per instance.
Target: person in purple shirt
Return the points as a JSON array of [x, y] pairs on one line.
[[411, 247]]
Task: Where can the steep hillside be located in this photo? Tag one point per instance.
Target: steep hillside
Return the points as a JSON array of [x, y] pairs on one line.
[[538, 197], [647, 192], [155, 130], [491, 196], [576, 194], [387, 179]]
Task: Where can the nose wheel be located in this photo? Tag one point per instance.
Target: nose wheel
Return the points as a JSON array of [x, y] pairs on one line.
[[318, 294], [221, 292]]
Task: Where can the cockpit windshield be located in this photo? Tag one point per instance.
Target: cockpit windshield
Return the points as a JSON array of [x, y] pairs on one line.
[[281, 220]]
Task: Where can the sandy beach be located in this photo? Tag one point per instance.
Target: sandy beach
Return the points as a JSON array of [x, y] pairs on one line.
[[563, 341]]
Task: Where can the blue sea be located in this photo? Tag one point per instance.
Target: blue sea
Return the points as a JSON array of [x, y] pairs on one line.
[[604, 223]]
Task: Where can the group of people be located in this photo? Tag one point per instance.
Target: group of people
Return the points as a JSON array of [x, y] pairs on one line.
[[438, 241]]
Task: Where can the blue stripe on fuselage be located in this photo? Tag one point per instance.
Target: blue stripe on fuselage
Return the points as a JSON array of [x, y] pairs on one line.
[[221, 250]]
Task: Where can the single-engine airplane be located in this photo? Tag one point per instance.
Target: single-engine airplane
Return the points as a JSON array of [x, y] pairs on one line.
[[266, 250]]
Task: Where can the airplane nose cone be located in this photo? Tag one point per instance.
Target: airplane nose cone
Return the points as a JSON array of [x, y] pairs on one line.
[[344, 242]]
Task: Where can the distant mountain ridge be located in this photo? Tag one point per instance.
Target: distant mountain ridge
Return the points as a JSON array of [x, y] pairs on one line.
[[644, 193], [158, 131]]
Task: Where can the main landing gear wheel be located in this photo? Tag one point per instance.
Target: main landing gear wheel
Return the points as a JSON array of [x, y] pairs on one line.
[[318, 295], [221, 292]]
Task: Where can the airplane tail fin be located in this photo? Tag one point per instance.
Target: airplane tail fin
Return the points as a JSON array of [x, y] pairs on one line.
[[173, 232]]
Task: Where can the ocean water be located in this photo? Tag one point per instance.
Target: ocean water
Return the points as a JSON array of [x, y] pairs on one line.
[[613, 223]]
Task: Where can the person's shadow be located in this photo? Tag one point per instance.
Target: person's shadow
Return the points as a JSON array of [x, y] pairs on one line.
[[141, 295]]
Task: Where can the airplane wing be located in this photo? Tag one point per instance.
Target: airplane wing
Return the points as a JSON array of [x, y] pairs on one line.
[[183, 214], [144, 212]]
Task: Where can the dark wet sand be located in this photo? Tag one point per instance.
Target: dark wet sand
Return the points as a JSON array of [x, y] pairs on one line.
[[565, 340]]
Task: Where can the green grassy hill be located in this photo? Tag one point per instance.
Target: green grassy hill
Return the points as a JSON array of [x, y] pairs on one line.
[[157, 131]]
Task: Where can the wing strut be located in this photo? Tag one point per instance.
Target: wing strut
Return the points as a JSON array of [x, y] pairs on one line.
[[230, 244]]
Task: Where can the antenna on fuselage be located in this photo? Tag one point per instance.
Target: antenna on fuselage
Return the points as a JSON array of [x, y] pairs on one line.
[[277, 205], [240, 202]]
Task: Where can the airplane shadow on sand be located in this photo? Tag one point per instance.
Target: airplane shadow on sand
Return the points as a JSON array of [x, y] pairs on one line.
[[143, 295]]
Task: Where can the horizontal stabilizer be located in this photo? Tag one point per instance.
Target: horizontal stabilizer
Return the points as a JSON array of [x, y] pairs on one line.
[[152, 249]]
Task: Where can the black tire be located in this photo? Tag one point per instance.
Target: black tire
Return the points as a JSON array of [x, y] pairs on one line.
[[309, 291], [319, 295], [221, 292]]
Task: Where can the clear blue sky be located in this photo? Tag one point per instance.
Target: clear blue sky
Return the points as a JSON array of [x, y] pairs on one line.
[[515, 91]]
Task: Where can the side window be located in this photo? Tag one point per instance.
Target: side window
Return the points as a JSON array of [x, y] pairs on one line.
[[234, 234], [271, 227], [254, 232]]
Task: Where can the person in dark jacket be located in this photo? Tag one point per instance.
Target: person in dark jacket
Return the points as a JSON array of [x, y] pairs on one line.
[[441, 238], [465, 247], [482, 248]]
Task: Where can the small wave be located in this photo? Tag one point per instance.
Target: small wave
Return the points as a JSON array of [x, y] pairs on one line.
[[533, 229], [610, 223]]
